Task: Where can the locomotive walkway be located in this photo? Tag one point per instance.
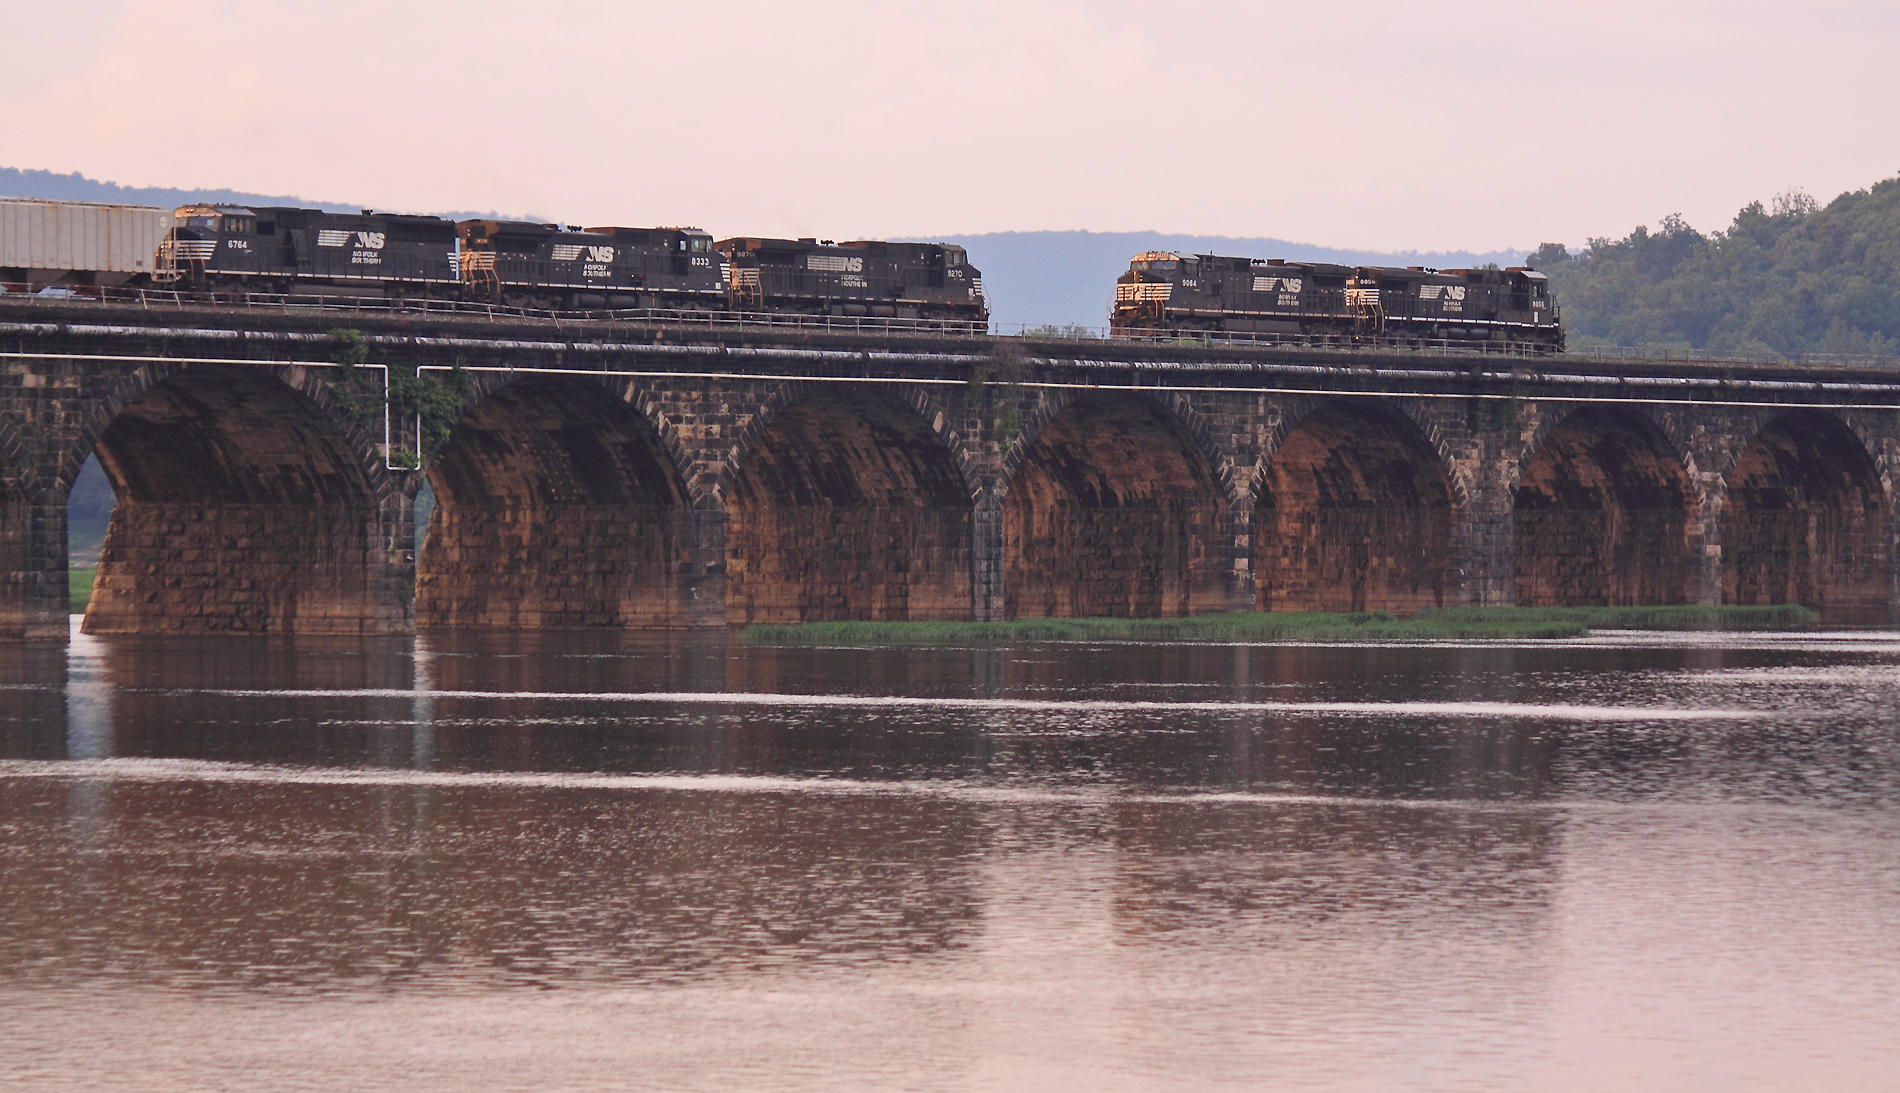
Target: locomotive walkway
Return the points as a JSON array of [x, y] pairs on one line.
[[649, 472]]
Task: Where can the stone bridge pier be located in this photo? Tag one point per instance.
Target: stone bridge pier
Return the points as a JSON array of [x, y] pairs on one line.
[[262, 489]]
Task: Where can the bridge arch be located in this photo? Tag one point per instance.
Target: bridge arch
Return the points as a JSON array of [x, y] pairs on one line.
[[1115, 503], [244, 505], [1807, 518], [559, 505], [848, 502], [1605, 511], [1355, 509]]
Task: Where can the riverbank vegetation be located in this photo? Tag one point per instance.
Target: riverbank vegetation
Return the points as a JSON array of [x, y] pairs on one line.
[[1454, 623], [79, 587]]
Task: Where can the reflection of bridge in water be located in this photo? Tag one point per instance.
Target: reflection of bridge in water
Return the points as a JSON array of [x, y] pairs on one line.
[[633, 475]]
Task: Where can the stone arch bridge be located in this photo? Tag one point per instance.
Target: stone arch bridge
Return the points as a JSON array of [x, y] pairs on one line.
[[667, 475]]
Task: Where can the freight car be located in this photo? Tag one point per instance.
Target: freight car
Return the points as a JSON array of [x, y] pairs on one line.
[[551, 266], [863, 277], [1164, 293], [76, 245]]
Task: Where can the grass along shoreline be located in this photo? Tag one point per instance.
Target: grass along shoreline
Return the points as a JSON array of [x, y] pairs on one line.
[[1441, 624]]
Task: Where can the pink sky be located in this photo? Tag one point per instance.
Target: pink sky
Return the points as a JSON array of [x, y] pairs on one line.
[[1469, 125]]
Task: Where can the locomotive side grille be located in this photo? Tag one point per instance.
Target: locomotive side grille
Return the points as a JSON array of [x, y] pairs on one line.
[[1143, 291]]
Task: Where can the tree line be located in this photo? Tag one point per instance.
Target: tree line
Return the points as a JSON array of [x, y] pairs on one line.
[[1790, 278]]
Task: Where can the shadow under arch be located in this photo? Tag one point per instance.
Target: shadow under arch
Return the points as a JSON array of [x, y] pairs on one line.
[[1806, 520], [557, 507], [242, 507], [1605, 514], [846, 504], [1353, 512], [1114, 509]]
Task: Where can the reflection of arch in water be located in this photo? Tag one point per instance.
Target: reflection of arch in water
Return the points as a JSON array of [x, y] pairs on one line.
[[847, 503], [242, 506], [1115, 506], [1806, 520], [557, 506], [1354, 512], [1605, 513]]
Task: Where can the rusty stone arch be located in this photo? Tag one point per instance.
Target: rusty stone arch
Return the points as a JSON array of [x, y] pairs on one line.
[[561, 504], [1297, 409], [914, 397], [1351, 552], [1800, 546], [626, 388], [313, 383], [1607, 508], [1083, 536], [826, 517], [1667, 426], [1872, 444], [269, 518], [1179, 408]]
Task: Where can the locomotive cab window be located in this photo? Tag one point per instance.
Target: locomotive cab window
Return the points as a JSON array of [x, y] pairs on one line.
[[204, 223], [953, 256]]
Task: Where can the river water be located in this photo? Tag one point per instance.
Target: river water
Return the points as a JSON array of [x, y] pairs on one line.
[[1634, 861]]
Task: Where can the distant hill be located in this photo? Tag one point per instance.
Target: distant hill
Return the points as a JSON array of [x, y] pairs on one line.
[[1032, 278]]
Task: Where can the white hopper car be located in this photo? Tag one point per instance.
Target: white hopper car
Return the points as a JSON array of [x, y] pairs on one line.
[[76, 243]]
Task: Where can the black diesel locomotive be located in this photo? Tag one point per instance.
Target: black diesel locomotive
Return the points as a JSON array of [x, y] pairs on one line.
[[547, 265], [892, 280], [285, 250], [1165, 293], [521, 263]]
